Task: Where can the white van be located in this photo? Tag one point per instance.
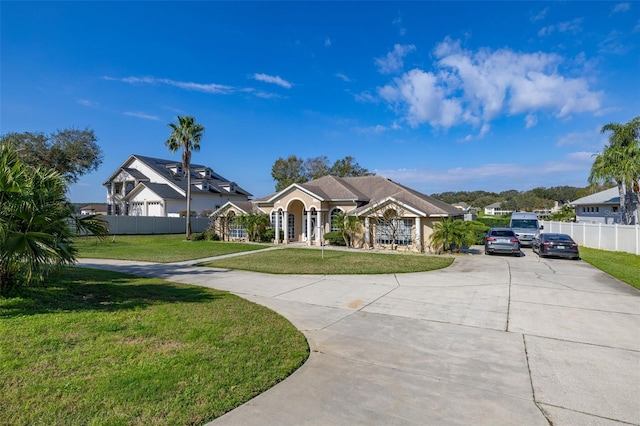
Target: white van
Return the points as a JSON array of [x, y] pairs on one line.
[[526, 226]]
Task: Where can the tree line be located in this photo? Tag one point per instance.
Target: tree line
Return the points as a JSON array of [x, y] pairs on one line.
[[293, 169], [533, 199]]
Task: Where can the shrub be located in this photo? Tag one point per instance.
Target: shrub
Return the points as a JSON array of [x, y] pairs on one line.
[[495, 222], [334, 238], [269, 234], [210, 235], [197, 236]]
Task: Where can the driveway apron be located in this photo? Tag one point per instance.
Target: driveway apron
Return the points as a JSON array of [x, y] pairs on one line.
[[491, 340]]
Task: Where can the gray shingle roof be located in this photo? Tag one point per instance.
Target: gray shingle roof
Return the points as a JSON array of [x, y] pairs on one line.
[[371, 190], [608, 196], [161, 189], [162, 167]]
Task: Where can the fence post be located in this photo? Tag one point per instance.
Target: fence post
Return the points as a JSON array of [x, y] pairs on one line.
[[637, 239], [615, 236], [600, 236]]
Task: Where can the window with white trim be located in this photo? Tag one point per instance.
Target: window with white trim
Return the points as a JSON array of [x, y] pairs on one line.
[[291, 223], [334, 211], [236, 231], [403, 228]]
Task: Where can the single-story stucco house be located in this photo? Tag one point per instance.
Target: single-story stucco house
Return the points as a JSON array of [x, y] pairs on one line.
[[305, 212], [147, 186], [601, 207]]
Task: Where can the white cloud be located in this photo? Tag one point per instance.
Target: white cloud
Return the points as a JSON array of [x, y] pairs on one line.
[[574, 26], [621, 7], [398, 23], [589, 138], [613, 44], [186, 85], [272, 79], [426, 101], [581, 156], [327, 42], [373, 130], [85, 102], [343, 77], [531, 120], [545, 31], [393, 62], [500, 176], [365, 97], [142, 115], [540, 15], [474, 88], [484, 130]]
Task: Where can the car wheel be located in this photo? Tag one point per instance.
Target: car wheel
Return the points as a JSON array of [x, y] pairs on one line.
[[516, 254]]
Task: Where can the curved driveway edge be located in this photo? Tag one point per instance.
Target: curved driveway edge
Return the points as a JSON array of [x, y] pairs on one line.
[[489, 340]]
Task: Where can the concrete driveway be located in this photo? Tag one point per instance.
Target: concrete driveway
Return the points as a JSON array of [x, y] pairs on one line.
[[490, 340]]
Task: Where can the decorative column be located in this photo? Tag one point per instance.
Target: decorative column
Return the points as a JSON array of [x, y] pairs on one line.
[[367, 232], [319, 225], [285, 226], [418, 234], [308, 227], [277, 238]]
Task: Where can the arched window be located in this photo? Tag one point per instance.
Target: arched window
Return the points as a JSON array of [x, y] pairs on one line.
[[334, 211], [236, 231], [291, 222]]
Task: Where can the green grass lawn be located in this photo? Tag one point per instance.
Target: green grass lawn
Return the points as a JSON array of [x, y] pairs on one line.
[[311, 261], [97, 347], [624, 266], [157, 248]]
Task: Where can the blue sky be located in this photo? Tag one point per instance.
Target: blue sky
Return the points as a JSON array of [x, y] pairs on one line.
[[439, 96]]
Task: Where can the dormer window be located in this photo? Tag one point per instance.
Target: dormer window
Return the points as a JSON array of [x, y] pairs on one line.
[[204, 173], [230, 187], [176, 170]]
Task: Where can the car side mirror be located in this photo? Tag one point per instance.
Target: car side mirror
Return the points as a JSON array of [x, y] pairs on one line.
[[541, 227]]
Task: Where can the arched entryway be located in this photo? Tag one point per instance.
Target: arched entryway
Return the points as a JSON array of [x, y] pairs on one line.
[[296, 213]]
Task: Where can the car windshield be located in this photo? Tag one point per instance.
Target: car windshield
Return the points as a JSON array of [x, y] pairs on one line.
[[524, 223]]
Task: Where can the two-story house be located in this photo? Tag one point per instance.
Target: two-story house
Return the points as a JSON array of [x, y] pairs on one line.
[[147, 186]]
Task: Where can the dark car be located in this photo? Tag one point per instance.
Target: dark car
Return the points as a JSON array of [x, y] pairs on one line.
[[561, 245], [501, 240]]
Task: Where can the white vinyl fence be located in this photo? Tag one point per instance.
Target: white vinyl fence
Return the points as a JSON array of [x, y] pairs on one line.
[[119, 225], [599, 235]]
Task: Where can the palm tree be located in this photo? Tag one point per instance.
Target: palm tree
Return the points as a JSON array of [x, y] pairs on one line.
[[186, 135], [620, 162], [348, 226], [35, 231]]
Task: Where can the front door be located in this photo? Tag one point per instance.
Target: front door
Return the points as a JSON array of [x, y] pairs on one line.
[[305, 237]]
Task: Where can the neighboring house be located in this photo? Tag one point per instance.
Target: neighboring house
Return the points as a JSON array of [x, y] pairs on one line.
[[601, 207], [93, 209], [146, 186], [495, 210], [557, 206], [470, 213], [304, 212]]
